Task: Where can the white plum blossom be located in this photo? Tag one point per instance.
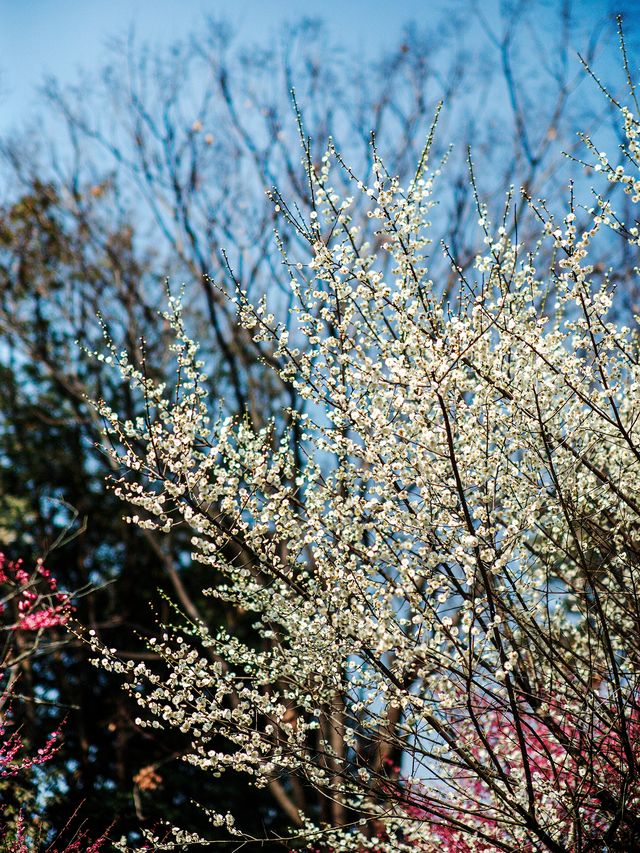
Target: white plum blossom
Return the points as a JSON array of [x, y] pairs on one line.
[[440, 555]]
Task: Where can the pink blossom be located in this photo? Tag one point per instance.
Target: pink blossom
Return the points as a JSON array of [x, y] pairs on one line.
[[39, 606]]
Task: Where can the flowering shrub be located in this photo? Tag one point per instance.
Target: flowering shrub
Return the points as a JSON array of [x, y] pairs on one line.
[[568, 764], [39, 603], [11, 759], [29, 602], [441, 554], [30, 605], [22, 842]]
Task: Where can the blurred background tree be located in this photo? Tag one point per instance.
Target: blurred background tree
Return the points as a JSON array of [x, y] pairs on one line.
[[157, 166]]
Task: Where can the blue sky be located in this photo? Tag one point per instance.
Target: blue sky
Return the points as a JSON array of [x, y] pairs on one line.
[[39, 37], [59, 36]]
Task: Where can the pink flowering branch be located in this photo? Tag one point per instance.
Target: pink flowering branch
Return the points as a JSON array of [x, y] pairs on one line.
[[80, 843], [38, 601], [11, 760], [30, 604], [577, 771]]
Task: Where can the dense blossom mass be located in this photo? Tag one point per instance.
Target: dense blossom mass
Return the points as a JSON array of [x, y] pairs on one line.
[[441, 555]]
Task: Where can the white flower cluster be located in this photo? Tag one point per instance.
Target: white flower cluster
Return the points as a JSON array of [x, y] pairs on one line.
[[445, 589]]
